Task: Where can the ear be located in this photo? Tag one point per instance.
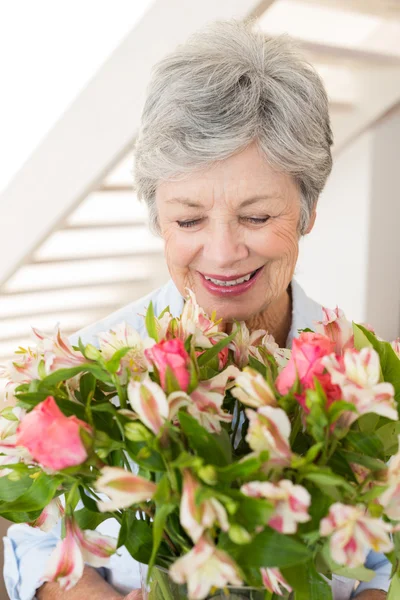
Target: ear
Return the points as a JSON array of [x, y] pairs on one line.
[[312, 221]]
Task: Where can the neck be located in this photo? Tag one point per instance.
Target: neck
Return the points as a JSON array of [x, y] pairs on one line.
[[276, 319]]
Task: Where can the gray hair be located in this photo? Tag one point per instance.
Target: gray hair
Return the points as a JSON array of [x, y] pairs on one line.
[[226, 87]]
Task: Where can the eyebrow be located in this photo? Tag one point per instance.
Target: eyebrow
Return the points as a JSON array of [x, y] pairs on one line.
[[193, 204]]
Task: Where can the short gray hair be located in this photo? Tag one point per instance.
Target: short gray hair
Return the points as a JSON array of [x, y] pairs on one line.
[[226, 87]]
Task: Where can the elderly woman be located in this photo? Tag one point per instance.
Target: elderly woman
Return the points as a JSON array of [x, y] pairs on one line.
[[232, 154]]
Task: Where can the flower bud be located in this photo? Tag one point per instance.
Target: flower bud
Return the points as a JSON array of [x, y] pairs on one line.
[[239, 535], [137, 432], [208, 474], [91, 352]]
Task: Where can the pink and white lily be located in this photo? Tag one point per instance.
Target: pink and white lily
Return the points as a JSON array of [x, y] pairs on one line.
[[358, 376], [205, 403], [291, 503], [67, 561], [149, 402], [123, 336], [49, 516], [390, 499], [269, 429], [274, 581], [203, 568], [353, 533], [123, 489], [252, 390], [244, 344], [195, 322], [337, 328], [57, 351], [396, 346], [197, 517]]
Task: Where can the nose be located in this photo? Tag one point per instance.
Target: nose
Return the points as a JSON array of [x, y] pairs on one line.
[[224, 246]]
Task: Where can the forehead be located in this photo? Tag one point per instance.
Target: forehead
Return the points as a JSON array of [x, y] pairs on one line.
[[243, 176]]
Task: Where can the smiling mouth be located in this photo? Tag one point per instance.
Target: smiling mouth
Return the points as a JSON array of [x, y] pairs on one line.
[[231, 282]]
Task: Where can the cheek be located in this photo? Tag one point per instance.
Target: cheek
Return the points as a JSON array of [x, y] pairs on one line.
[[180, 248], [277, 243]]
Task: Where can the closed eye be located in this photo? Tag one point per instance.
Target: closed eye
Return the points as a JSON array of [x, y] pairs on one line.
[[188, 224], [256, 220]]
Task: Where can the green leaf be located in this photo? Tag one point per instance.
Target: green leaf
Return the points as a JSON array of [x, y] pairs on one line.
[[139, 540], [150, 322], [11, 490], [160, 519], [113, 364], [88, 519], [361, 459], [328, 479], [145, 456], [64, 374], [242, 469], [87, 386], [208, 446], [253, 512], [390, 363], [389, 436], [36, 497], [369, 445], [367, 423], [273, 549], [21, 517], [209, 354], [394, 590], [307, 583]]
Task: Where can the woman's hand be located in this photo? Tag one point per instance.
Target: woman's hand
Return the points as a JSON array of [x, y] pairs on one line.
[[135, 595]]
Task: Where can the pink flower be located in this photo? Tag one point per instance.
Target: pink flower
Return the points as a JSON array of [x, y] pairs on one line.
[[149, 402], [274, 581], [171, 356], [196, 517], [77, 548], [123, 489], [396, 346], [66, 562], [305, 362], [337, 328], [390, 499], [52, 439], [123, 336], [49, 516], [203, 568], [244, 343], [291, 502], [194, 322], [57, 351], [358, 376], [269, 429], [252, 390], [353, 533], [205, 403]]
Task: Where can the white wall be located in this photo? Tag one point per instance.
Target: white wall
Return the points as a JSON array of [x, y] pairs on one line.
[[332, 263]]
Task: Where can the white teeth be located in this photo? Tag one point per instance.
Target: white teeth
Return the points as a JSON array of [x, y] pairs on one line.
[[229, 283]]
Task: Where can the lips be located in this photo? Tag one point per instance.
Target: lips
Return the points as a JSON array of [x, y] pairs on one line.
[[230, 289]]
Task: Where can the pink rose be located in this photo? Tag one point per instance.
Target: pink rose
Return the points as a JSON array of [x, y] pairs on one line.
[[171, 354], [305, 361], [52, 439]]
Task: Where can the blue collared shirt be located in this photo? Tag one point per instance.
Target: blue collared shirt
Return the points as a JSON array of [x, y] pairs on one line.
[[27, 550]]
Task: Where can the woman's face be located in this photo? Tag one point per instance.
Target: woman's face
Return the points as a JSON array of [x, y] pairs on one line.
[[231, 234]]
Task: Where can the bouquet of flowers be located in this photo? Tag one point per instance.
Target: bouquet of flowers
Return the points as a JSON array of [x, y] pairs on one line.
[[227, 461]]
